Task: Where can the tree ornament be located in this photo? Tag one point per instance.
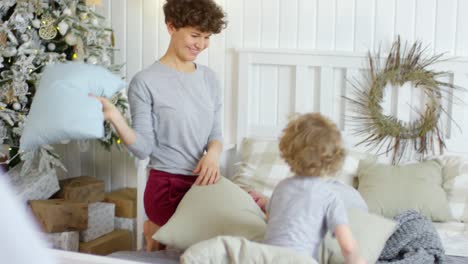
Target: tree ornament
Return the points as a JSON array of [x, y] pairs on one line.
[[16, 106], [71, 39], [67, 12], [25, 37], [63, 27], [9, 52], [36, 23], [51, 46], [92, 60], [47, 30]]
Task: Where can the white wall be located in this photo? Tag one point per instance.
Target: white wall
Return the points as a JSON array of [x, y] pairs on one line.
[[344, 25]]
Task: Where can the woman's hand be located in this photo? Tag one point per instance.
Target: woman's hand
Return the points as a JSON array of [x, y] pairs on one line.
[[109, 110], [113, 115], [208, 170]]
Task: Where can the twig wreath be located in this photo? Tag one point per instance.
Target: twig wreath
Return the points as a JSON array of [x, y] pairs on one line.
[[380, 130]]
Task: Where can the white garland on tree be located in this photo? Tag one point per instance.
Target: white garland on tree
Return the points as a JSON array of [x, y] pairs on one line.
[[35, 33]]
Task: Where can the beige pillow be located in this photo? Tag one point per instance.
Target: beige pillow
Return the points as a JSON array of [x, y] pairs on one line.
[[455, 172], [390, 190], [261, 166], [369, 230], [213, 210], [237, 250]]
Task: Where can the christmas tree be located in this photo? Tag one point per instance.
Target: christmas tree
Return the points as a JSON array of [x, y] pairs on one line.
[[35, 33]]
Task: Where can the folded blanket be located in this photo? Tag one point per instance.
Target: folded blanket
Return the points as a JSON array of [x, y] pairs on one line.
[[414, 241]]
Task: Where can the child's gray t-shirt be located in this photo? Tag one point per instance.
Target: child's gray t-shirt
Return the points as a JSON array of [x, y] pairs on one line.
[[175, 115], [301, 210]]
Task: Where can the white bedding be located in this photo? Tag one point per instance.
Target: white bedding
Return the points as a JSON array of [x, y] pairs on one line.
[[454, 236]]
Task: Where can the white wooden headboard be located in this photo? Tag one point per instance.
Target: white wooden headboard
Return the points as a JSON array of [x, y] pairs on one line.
[[273, 83]]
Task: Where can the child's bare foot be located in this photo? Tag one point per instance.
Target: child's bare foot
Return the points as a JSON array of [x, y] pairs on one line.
[[149, 228]]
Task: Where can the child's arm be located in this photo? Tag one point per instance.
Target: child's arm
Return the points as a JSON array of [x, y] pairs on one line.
[[348, 245]]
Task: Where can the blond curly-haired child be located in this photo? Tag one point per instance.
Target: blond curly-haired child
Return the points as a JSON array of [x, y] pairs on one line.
[[303, 207]]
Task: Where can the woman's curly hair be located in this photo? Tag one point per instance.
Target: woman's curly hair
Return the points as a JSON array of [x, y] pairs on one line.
[[311, 144], [204, 15]]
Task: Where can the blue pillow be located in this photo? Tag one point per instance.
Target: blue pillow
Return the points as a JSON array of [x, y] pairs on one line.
[[62, 108]]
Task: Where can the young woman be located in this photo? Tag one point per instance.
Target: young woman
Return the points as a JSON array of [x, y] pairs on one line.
[[175, 107]]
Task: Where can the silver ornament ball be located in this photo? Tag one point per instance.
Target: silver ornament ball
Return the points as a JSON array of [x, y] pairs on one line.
[[51, 46], [16, 106], [92, 60]]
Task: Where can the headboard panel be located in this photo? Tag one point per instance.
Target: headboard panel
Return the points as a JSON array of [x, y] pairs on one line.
[[274, 83]]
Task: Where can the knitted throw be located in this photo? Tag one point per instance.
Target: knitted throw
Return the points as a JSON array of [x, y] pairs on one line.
[[415, 241]]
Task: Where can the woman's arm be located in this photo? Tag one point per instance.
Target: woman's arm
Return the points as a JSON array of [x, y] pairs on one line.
[[208, 166]]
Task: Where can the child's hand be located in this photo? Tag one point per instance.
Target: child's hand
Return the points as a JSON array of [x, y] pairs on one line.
[[259, 199]]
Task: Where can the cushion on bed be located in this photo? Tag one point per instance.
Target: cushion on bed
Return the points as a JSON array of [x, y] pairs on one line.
[[213, 210], [369, 230], [62, 109], [390, 190], [262, 168], [237, 250], [455, 172]]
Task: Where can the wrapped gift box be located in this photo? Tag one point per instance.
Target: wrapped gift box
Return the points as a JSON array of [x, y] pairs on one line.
[[35, 185], [58, 215], [118, 240], [127, 224], [100, 221], [125, 202], [66, 240], [83, 188]]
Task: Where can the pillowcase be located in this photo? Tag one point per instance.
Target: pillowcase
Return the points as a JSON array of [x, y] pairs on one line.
[[370, 231], [213, 210], [62, 108], [455, 173], [348, 173], [237, 250], [261, 166], [390, 190]]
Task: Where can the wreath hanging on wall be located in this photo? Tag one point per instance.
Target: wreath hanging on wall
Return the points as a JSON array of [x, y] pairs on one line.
[[387, 132]]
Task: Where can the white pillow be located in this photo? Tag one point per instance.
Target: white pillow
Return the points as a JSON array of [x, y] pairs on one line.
[[455, 184], [213, 210], [62, 108]]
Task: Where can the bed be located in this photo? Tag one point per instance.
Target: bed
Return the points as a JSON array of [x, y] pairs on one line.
[[274, 83]]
